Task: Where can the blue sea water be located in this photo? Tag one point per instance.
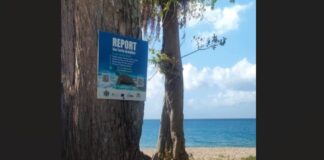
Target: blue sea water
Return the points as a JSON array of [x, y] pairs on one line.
[[207, 133]]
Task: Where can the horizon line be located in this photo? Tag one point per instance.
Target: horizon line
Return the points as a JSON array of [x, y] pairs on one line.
[[200, 118]]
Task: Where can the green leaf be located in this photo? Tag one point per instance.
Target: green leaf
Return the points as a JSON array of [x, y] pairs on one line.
[[152, 50], [167, 6], [213, 2]]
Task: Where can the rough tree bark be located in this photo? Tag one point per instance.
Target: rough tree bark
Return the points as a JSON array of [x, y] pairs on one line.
[[171, 142], [96, 129]]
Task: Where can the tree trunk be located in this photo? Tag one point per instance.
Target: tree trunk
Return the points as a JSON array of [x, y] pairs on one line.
[[171, 143], [96, 129]]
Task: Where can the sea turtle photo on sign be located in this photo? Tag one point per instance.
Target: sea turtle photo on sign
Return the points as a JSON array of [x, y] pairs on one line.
[[122, 67]]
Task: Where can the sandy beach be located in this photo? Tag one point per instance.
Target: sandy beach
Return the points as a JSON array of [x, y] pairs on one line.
[[235, 153]]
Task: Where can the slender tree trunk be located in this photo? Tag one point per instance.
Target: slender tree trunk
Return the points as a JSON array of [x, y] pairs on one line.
[[96, 129], [164, 142], [171, 143]]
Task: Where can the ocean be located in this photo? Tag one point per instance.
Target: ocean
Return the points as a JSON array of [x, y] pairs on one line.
[[207, 133]]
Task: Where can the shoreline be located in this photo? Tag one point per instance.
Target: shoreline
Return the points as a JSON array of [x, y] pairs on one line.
[[214, 153], [149, 148]]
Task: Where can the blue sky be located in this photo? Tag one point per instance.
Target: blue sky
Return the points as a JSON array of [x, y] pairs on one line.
[[218, 83]]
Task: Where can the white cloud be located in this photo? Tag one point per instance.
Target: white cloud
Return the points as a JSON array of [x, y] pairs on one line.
[[231, 86], [155, 84], [154, 93], [222, 19], [228, 86], [224, 98], [194, 78], [233, 98], [240, 76]]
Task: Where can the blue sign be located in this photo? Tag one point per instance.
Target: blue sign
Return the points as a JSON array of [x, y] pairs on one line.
[[122, 67]]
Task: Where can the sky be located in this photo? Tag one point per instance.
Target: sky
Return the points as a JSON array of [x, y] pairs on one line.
[[218, 83]]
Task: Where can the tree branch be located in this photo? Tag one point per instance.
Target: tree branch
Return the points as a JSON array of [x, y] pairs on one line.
[[200, 49], [153, 74]]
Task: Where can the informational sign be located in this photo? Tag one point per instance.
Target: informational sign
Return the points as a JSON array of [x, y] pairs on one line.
[[122, 67]]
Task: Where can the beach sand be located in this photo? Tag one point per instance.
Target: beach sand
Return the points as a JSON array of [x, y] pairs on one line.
[[235, 153]]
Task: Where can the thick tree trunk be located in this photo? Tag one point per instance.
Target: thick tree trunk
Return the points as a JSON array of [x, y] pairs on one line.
[[96, 129], [171, 143]]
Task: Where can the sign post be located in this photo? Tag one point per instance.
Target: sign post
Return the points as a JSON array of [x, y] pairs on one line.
[[122, 67]]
